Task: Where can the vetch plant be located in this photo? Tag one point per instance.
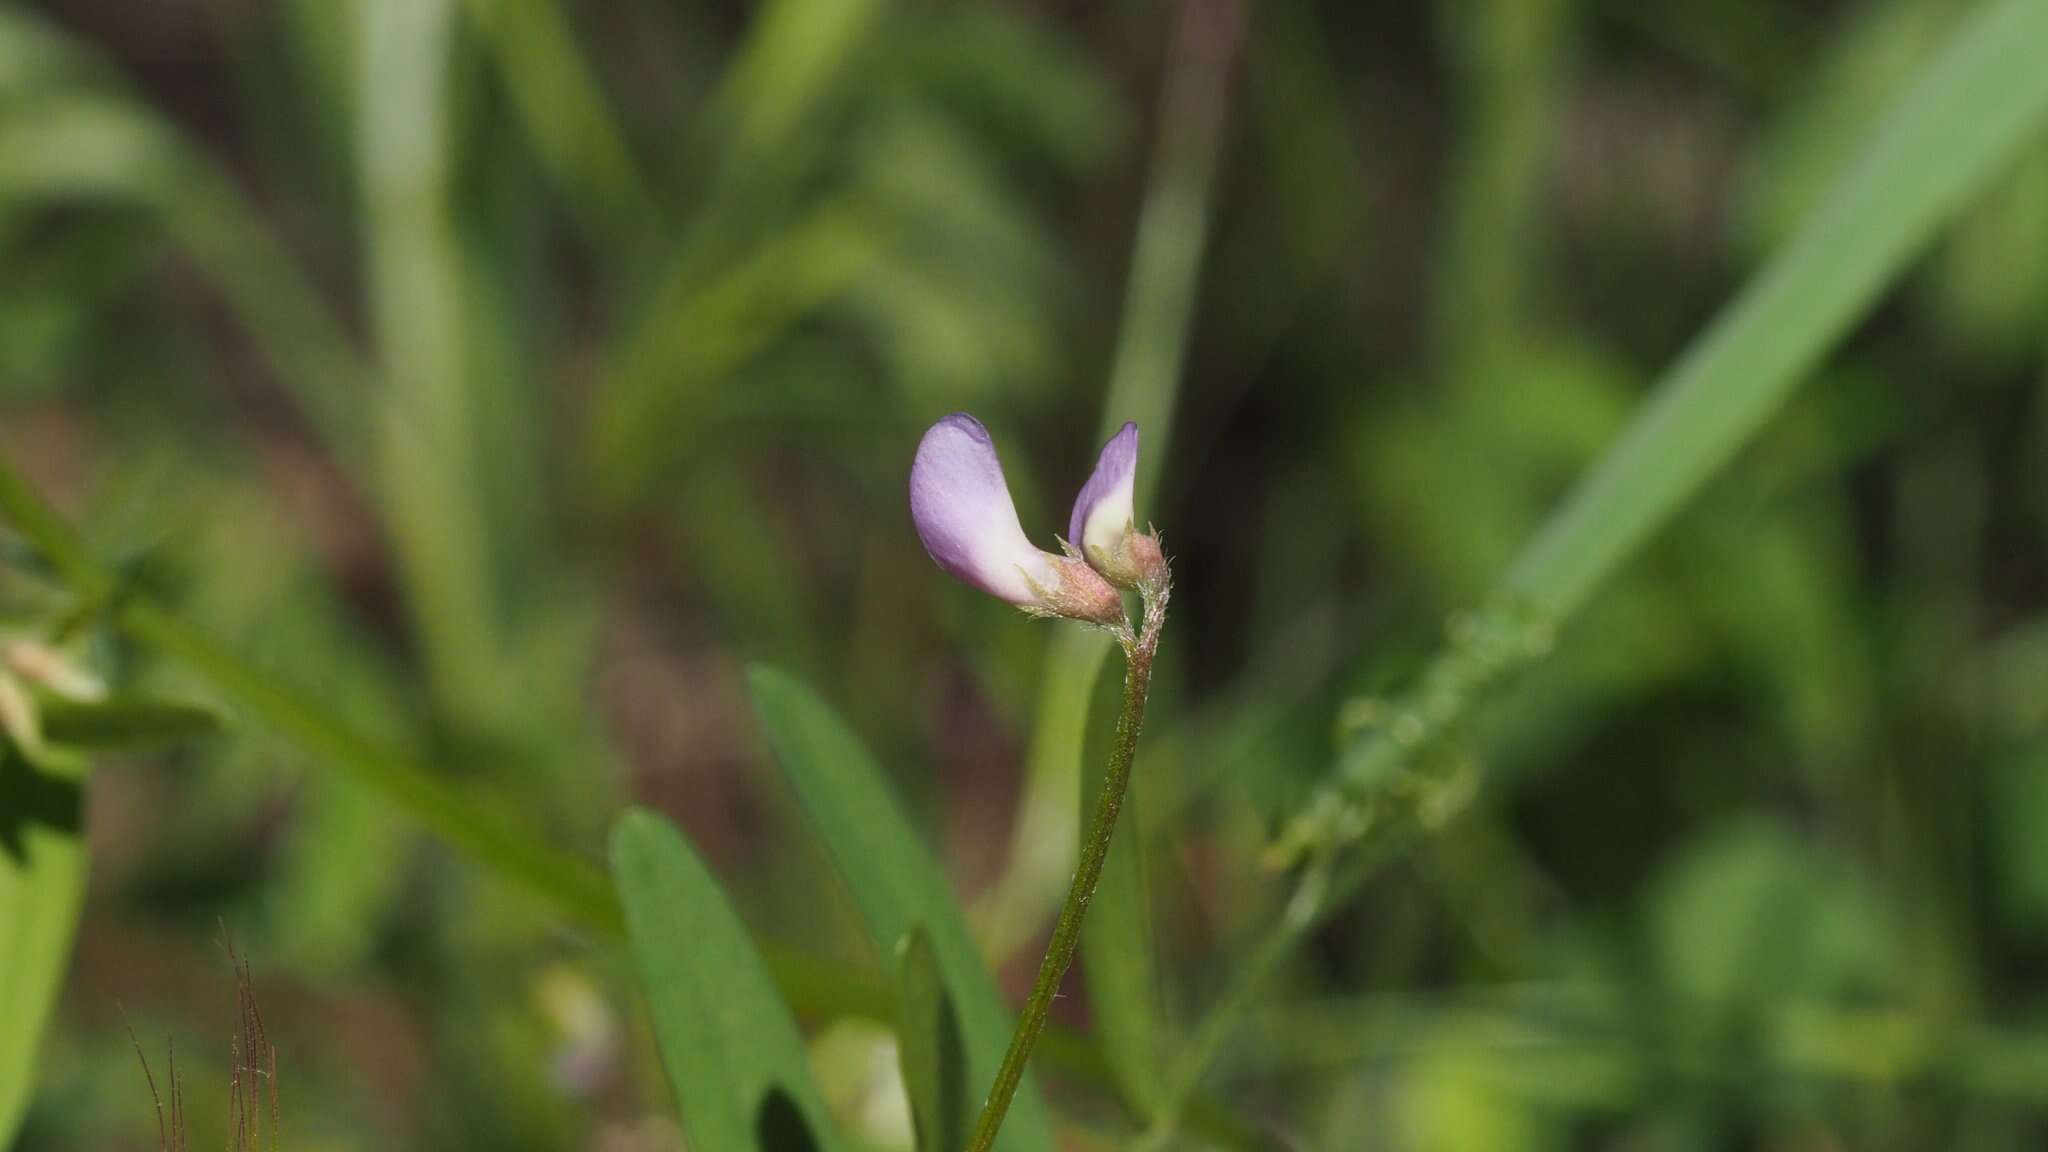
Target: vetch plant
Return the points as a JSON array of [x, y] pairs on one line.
[[968, 522], [734, 1020]]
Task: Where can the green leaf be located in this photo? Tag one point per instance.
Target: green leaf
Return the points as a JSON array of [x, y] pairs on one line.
[[931, 1048], [42, 885], [736, 1061], [895, 883], [126, 722]]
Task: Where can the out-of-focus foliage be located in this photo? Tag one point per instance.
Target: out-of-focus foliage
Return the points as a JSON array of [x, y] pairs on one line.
[[500, 379]]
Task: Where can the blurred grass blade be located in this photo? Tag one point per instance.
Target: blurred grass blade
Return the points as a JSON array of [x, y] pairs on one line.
[[931, 1048], [793, 53], [98, 142], [487, 830], [493, 835], [565, 113], [736, 1061], [1976, 106], [126, 722], [32, 53], [428, 474], [731, 290], [697, 330], [1973, 110], [1970, 114], [895, 883], [42, 885], [1511, 66]]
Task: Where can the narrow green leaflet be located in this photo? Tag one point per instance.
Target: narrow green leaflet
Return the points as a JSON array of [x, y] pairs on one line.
[[125, 722], [930, 1047], [42, 884], [895, 883], [736, 1061]]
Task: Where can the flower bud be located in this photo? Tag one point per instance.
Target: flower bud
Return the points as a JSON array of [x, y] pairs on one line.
[[1144, 559], [1082, 594], [1101, 524]]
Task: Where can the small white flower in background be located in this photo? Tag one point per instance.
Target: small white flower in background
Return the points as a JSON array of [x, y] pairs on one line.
[[30, 664], [54, 670], [587, 1032], [18, 717], [860, 1074]]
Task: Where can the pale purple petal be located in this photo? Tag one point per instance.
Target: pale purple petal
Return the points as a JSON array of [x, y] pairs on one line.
[[963, 512], [1103, 512]]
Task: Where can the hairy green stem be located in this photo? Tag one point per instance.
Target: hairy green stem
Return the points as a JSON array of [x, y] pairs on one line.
[[1066, 932]]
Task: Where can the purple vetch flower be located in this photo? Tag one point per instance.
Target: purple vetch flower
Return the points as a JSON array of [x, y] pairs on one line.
[[961, 506]]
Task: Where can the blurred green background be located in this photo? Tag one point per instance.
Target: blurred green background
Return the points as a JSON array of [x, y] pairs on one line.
[[505, 375]]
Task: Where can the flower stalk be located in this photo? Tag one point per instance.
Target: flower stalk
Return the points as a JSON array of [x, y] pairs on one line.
[[961, 507], [1139, 649]]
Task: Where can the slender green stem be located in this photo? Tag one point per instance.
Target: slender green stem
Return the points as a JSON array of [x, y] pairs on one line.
[[1159, 306], [1066, 932]]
